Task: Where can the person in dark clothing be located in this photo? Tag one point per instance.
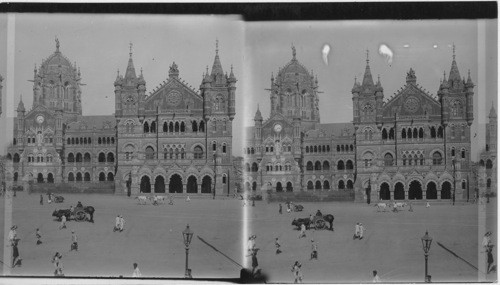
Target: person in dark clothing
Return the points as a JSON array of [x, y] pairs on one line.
[[255, 263], [281, 209], [15, 255], [490, 259], [41, 199]]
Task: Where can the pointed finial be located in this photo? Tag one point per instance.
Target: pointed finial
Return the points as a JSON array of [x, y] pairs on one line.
[[207, 69], [378, 76], [216, 46], [444, 75], [130, 52], [355, 80], [141, 71], [57, 44], [294, 52], [231, 68], [117, 72], [367, 57], [453, 51]]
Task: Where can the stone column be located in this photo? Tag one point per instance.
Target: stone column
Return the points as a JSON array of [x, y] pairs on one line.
[[184, 188]]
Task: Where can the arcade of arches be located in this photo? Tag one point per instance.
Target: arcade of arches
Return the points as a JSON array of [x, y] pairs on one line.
[[415, 191], [175, 184]]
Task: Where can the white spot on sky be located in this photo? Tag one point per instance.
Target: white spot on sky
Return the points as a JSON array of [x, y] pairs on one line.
[[406, 46], [435, 46], [386, 52], [326, 52]]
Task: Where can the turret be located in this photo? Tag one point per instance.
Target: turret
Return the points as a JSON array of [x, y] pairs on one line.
[[19, 133], [469, 98], [379, 101], [232, 94], [442, 94], [491, 132], [356, 88], [258, 125]]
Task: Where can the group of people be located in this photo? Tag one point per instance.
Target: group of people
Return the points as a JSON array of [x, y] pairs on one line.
[[119, 223], [358, 231], [14, 240]]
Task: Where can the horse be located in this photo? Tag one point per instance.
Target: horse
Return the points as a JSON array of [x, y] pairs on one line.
[[400, 204], [379, 206], [67, 212], [142, 199], [329, 218], [300, 221]]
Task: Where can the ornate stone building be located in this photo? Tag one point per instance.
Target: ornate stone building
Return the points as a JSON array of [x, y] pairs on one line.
[[175, 139], [487, 167], [412, 146], [292, 151]]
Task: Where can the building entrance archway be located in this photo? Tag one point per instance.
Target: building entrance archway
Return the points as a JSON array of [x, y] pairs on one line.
[[206, 185], [431, 192], [159, 184], [175, 185], [385, 194], [289, 187], [399, 191], [279, 187], [415, 191], [446, 190], [192, 185], [145, 184]]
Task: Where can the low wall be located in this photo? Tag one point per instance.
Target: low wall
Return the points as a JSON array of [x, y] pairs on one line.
[[104, 187], [311, 196]]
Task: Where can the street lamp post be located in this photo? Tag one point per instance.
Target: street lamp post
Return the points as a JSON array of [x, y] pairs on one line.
[[454, 181], [215, 171], [426, 245], [187, 234]]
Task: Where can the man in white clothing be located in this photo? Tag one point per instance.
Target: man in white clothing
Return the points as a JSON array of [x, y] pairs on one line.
[[122, 223], [117, 223], [137, 272]]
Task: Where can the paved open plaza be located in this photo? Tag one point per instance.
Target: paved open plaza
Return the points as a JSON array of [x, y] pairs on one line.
[[391, 245], [152, 237]]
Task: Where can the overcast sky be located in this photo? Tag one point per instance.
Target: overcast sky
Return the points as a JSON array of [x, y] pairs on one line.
[[100, 45]]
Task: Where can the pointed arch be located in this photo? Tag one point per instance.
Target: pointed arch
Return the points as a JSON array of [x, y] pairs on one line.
[[145, 128], [194, 126], [318, 185], [192, 185]]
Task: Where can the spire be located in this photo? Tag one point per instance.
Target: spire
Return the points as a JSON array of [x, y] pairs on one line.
[[217, 66], [173, 72], [272, 77], [469, 80], [231, 75], [454, 74], [20, 107], [258, 115], [367, 78], [493, 113], [294, 52], [57, 44], [130, 72]]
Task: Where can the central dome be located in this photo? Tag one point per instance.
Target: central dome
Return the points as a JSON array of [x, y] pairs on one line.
[[57, 59], [295, 68]]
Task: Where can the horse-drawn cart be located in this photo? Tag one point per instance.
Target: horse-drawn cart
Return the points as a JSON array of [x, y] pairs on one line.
[[321, 222], [78, 214]]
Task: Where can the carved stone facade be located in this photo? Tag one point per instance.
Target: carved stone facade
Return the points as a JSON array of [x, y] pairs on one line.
[[487, 180], [176, 139], [413, 146]]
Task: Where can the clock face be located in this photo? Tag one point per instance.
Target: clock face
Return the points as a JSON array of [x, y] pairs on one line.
[[174, 98], [40, 119], [277, 128], [411, 104]]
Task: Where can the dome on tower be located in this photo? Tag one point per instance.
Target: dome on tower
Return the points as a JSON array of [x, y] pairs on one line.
[[57, 60]]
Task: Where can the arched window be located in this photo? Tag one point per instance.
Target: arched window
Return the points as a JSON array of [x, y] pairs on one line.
[[71, 157], [315, 148], [176, 127], [326, 165], [146, 128], [489, 164], [310, 185], [317, 165], [71, 177], [307, 149], [78, 157], [340, 165], [171, 127], [318, 185], [341, 185], [152, 129], [388, 159], [102, 157], [342, 149], [202, 126], [86, 157], [463, 153], [436, 158], [79, 177], [384, 134], [102, 176], [415, 133], [183, 127], [404, 159], [16, 175], [309, 166], [111, 157], [214, 146], [326, 185], [391, 134], [349, 165], [112, 140], [69, 141], [433, 132], [488, 183], [194, 126], [440, 132], [198, 152], [403, 134], [111, 177], [255, 167], [338, 148], [165, 127], [150, 153], [421, 133], [409, 134], [350, 185], [421, 159], [86, 177], [252, 150]]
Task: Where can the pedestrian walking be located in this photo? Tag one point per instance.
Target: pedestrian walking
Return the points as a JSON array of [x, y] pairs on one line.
[[56, 260], [187, 198], [255, 263], [137, 272], [278, 246], [288, 210], [12, 234], [361, 230], [411, 207], [281, 209], [297, 274], [356, 231], [302, 231], [155, 200], [490, 259], [49, 198], [74, 241], [486, 241], [427, 205], [117, 223], [38, 237], [15, 254], [63, 222], [41, 199], [376, 279], [250, 245], [314, 250], [122, 223]]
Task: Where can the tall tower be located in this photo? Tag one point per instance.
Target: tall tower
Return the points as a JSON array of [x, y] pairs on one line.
[[129, 91], [56, 85], [294, 92], [491, 132]]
